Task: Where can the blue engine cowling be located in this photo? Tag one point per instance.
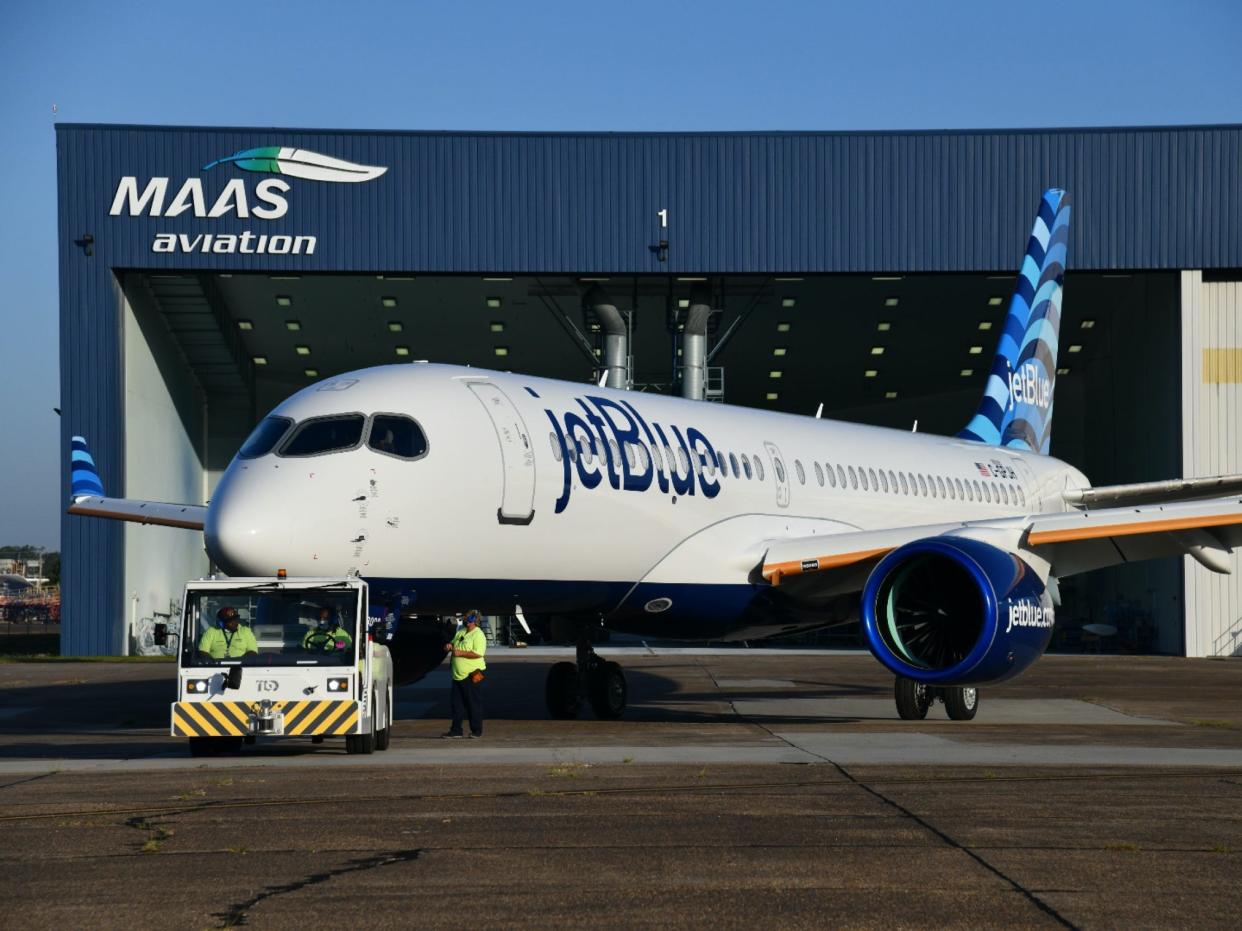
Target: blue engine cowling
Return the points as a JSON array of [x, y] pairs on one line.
[[955, 611]]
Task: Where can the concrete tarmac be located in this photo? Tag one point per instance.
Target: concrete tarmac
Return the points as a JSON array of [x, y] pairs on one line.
[[744, 788]]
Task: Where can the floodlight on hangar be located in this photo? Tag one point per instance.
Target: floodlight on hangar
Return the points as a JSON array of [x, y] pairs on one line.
[[772, 396], [1087, 324], [683, 302], [496, 326], [388, 302], [1062, 371], [780, 351], [877, 350], [259, 360], [890, 302], [293, 325], [775, 373], [402, 350], [883, 326], [782, 327], [245, 325], [395, 326], [985, 324], [976, 350], [493, 303], [966, 373], [311, 373], [871, 373], [501, 350], [995, 301], [302, 350], [1075, 348], [890, 395], [788, 301], [283, 300]]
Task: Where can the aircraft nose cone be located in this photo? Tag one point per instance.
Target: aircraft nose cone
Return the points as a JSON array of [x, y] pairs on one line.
[[245, 533]]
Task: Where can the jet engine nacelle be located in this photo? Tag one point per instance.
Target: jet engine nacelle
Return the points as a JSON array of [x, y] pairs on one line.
[[956, 611]]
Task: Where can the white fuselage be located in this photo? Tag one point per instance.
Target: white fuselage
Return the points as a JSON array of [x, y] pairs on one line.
[[504, 509]]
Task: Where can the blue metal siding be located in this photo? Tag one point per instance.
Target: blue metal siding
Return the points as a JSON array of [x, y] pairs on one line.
[[1144, 198], [1159, 198]]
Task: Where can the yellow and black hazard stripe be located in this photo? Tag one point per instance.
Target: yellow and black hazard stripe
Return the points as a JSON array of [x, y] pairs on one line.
[[232, 718], [210, 719], [321, 718]]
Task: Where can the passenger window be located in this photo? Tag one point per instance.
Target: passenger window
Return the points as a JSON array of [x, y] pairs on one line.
[[556, 447], [960, 493], [780, 470], [265, 437], [853, 478], [819, 475], [683, 460], [720, 463], [746, 465], [397, 436], [883, 481], [1004, 494], [922, 486], [875, 486], [325, 435], [841, 475], [588, 451], [832, 476], [978, 490], [801, 472], [733, 462], [892, 480], [905, 490], [987, 493], [616, 452], [862, 478], [940, 486], [1022, 495], [758, 467], [948, 484]]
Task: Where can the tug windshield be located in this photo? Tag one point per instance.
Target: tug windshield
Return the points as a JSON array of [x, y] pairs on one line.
[[271, 627]]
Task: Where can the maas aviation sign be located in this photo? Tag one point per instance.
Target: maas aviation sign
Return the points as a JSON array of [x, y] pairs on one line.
[[267, 200]]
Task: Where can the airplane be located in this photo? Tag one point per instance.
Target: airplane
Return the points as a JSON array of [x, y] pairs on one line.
[[450, 487]]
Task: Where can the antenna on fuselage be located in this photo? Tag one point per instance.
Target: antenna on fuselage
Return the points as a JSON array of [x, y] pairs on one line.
[[915, 428], [819, 410], [603, 378]]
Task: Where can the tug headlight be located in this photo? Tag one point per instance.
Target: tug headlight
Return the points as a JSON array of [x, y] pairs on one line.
[[197, 686], [338, 685]]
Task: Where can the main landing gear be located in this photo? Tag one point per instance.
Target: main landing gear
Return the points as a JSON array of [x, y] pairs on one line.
[[914, 698], [599, 681]]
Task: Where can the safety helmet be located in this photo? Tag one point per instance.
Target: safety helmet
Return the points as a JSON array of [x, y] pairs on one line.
[[226, 614]]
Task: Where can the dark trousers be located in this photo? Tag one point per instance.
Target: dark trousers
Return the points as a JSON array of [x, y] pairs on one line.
[[467, 701]]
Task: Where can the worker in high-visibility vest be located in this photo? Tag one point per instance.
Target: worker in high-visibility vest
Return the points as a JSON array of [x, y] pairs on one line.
[[228, 639], [467, 648], [329, 636]]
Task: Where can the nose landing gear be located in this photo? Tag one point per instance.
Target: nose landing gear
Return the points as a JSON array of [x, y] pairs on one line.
[[914, 699], [601, 682]]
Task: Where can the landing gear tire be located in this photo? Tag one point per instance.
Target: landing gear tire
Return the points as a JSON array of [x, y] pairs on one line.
[[215, 746], [961, 703], [608, 691], [913, 699], [561, 693], [362, 743], [384, 737]]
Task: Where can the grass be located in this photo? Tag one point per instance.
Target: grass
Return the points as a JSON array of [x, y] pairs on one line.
[[50, 658], [1213, 722]]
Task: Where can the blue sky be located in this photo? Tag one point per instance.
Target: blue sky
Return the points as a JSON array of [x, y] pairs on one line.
[[543, 66]]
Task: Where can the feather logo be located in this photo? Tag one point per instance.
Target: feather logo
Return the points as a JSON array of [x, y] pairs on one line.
[[300, 163]]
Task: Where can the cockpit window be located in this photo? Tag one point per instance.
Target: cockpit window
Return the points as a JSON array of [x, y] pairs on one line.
[[397, 436], [325, 435], [265, 437]]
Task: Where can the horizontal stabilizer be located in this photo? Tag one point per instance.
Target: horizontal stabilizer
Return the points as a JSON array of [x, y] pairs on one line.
[[186, 516], [1172, 490]]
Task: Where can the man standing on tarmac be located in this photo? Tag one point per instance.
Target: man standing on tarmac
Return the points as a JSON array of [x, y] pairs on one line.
[[467, 649]]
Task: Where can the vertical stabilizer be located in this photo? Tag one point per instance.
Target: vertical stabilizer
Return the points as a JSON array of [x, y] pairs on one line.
[[1016, 409]]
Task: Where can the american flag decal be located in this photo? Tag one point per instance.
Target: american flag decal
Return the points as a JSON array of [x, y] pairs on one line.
[[983, 470]]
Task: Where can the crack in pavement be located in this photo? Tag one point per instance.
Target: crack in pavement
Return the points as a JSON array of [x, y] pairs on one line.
[[238, 914], [1026, 893]]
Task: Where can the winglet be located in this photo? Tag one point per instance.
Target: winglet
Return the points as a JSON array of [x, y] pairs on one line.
[[1016, 408], [85, 478]]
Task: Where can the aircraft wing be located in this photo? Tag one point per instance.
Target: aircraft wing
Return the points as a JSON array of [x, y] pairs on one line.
[[1071, 541], [1166, 492], [88, 498], [187, 516]]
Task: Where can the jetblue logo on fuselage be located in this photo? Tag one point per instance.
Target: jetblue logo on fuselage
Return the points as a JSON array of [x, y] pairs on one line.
[[1028, 385], [607, 440], [1028, 614]]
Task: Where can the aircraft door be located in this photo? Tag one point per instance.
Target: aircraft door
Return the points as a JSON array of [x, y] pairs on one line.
[[517, 500], [780, 474]]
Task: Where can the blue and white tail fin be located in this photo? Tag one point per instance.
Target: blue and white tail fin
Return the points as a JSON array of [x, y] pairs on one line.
[[85, 479], [87, 498], [1016, 409]]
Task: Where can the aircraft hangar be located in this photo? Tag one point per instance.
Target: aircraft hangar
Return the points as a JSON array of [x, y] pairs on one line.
[[208, 273]]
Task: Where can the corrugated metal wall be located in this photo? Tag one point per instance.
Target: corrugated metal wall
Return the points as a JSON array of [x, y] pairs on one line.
[[1212, 445]]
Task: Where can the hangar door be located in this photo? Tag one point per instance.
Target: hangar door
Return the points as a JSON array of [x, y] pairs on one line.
[[517, 501]]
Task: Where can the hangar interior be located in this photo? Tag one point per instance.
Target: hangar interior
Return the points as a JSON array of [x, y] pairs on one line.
[[209, 353]]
